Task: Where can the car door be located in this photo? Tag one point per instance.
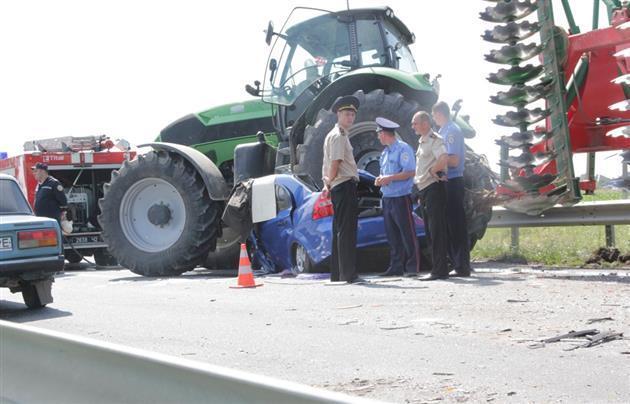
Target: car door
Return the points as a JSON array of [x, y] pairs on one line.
[[276, 232]]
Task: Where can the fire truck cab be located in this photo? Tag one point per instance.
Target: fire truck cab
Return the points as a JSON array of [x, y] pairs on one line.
[[83, 165]]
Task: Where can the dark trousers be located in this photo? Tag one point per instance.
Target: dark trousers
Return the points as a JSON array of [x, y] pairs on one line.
[[458, 242], [433, 199], [345, 205], [401, 234]]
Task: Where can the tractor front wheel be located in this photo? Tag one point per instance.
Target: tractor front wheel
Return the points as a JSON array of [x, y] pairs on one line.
[[157, 216]]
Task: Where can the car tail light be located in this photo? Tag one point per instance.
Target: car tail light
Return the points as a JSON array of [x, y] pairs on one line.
[[37, 238], [323, 207]]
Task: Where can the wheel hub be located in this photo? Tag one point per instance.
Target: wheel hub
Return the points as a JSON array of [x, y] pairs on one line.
[[159, 215]]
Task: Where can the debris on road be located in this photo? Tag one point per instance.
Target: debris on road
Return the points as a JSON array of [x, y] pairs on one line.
[[599, 338], [394, 327], [517, 301], [597, 320], [354, 306], [608, 254], [593, 337], [347, 322]]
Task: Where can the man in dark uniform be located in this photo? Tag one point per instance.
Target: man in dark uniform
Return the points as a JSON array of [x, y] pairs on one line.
[[50, 200], [430, 177], [458, 243], [340, 177], [398, 167]]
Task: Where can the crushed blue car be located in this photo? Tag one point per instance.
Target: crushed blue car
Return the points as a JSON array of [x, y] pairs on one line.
[[299, 238], [30, 247]]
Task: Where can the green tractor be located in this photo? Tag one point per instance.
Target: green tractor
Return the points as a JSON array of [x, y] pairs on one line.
[[161, 212]]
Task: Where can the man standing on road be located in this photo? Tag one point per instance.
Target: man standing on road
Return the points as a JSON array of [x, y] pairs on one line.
[[398, 167], [430, 176], [50, 200], [340, 177], [458, 243]]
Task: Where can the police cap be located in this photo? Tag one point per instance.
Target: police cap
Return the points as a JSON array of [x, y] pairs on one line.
[[386, 125], [349, 102]]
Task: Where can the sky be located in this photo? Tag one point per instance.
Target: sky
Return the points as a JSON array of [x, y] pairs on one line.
[[128, 68]]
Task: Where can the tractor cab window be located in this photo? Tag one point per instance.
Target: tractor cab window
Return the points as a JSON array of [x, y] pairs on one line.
[[371, 47], [400, 49], [303, 52]]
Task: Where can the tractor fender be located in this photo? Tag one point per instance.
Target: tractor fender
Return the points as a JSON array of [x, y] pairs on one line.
[[213, 179]]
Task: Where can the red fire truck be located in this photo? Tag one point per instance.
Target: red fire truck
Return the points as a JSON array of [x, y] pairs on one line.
[[83, 165]]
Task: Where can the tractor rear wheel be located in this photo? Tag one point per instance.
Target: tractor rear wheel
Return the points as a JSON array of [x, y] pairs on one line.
[[366, 146], [157, 216]]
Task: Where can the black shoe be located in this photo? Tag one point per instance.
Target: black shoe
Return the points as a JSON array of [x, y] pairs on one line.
[[432, 277], [357, 280], [389, 272], [460, 274]]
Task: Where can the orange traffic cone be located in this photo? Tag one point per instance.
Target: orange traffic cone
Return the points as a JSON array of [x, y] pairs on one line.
[[245, 275]]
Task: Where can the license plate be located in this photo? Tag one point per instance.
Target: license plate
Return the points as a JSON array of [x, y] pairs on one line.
[[6, 244], [84, 239]]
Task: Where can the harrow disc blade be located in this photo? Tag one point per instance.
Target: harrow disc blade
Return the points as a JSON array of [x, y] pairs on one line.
[[623, 106], [521, 117], [517, 140], [530, 183], [625, 79], [511, 32], [534, 204], [624, 131], [514, 54], [505, 11], [528, 159], [515, 75], [518, 96]]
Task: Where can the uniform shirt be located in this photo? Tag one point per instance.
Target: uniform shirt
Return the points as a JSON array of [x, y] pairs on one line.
[[50, 198], [337, 147], [454, 141], [430, 148], [397, 158]]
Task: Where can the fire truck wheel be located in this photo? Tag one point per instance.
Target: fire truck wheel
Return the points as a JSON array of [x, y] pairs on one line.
[[72, 257], [157, 216], [103, 258]]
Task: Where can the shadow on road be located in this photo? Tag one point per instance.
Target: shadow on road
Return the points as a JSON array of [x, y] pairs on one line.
[[19, 313], [589, 278], [200, 273]]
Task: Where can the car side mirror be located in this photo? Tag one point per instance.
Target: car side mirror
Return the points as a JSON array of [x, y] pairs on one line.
[[269, 33]]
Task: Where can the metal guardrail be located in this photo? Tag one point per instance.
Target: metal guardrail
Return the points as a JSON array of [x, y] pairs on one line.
[[582, 214], [606, 213], [44, 366]]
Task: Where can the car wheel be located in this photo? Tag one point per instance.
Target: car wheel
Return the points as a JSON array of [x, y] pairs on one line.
[[31, 297], [302, 263], [72, 257]]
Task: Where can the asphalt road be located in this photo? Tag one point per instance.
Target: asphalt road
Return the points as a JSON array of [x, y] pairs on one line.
[[402, 341]]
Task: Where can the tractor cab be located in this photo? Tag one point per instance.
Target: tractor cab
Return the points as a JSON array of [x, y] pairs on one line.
[[315, 47]]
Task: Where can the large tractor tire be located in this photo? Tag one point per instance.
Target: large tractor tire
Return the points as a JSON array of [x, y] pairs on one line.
[[366, 146], [157, 217]]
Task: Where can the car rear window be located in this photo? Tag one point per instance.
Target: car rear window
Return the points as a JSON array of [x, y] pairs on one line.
[[12, 200]]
